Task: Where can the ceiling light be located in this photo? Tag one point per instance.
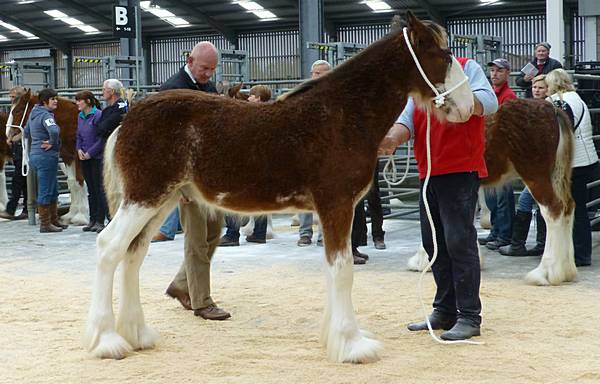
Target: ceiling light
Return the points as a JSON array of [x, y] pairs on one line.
[[3, 38], [377, 5], [55, 13], [249, 5], [160, 12], [177, 22], [87, 28], [71, 21], [264, 14]]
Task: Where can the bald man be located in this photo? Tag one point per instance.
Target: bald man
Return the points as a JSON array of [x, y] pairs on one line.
[[191, 285]]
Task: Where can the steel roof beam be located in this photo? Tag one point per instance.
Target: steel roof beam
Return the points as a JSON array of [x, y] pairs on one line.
[[229, 33]]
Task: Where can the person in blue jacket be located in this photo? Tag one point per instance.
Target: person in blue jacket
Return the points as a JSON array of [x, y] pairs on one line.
[[44, 134]]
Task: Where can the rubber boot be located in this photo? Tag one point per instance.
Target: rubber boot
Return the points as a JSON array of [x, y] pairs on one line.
[[45, 222], [540, 237], [54, 216], [519, 235]]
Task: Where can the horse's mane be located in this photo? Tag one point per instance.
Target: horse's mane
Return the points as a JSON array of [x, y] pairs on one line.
[[396, 28], [312, 83]]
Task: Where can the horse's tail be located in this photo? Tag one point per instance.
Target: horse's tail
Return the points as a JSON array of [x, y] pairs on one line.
[[561, 176], [112, 176]]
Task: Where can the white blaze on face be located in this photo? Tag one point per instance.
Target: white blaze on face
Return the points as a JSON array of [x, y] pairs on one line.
[[459, 101]]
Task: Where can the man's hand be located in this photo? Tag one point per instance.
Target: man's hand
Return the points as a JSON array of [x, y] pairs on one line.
[[528, 77], [397, 135], [46, 145]]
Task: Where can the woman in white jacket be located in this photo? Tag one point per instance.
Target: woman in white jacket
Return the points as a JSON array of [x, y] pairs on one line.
[[585, 160]]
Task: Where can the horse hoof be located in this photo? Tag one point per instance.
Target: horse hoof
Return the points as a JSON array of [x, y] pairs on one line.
[[361, 349], [111, 346], [418, 262], [137, 337]]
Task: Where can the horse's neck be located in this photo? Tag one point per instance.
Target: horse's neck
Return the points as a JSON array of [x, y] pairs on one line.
[[374, 87]]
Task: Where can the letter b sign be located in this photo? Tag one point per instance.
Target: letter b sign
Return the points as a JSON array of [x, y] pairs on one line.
[[123, 21]]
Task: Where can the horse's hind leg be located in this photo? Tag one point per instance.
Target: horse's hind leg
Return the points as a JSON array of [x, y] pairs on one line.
[[3, 193], [130, 321], [78, 211], [344, 340], [557, 264], [112, 244]]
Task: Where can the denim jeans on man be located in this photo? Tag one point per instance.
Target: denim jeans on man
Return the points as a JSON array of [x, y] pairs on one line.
[[501, 203], [233, 227], [306, 223], [171, 225], [525, 203]]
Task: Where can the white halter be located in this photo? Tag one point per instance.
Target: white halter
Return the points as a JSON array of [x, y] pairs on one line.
[[440, 98], [25, 161]]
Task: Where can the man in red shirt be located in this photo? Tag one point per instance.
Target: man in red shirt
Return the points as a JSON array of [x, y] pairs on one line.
[[500, 201]]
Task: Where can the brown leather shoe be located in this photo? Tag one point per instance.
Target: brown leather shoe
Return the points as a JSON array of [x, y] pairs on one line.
[[157, 238], [181, 296], [212, 312]]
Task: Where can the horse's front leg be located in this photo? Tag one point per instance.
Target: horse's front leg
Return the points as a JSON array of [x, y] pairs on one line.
[[558, 261], [101, 338], [345, 342]]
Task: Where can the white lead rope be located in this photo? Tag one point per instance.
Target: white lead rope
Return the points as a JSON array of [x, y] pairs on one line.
[[439, 101], [25, 143]]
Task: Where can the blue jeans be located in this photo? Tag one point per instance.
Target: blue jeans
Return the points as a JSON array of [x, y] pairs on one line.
[[171, 224], [306, 222], [501, 202], [525, 201], [46, 169]]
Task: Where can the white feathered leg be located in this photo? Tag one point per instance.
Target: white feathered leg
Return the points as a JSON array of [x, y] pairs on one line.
[[131, 323], [345, 341], [100, 337], [484, 213], [418, 262], [3, 192], [558, 261], [79, 211]]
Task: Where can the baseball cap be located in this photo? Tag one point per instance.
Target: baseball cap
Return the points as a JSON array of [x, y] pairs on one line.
[[500, 63]]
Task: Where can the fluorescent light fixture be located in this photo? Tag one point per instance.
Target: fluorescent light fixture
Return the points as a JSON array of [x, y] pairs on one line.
[[87, 28], [164, 14], [26, 34], [377, 5], [26, 1], [489, 1], [14, 29], [71, 21], [177, 22], [161, 13], [3, 38], [249, 5], [55, 13], [264, 14], [9, 26]]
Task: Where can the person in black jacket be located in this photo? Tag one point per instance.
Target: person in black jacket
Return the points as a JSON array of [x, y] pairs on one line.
[[115, 109], [191, 285], [544, 64]]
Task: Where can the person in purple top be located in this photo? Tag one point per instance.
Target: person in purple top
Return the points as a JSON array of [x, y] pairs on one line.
[[90, 147]]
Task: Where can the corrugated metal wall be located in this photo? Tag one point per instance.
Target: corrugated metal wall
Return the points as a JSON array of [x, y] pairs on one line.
[[272, 55], [166, 54], [362, 34], [519, 35]]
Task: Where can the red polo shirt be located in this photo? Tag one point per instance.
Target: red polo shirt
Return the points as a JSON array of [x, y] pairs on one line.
[[504, 93]]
